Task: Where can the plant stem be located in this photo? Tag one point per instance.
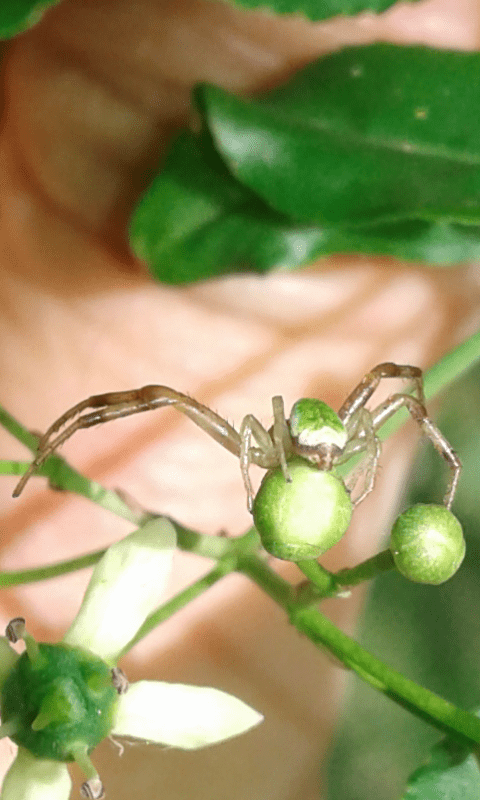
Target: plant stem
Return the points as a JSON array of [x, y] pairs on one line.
[[280, 590], [63, 476], [43, 573], [323, 580], [381, 562], [420, 701], [225, 565], [324, 634], [214, 547], [450, 367]]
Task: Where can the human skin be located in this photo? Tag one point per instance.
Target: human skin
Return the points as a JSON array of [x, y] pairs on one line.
[[91, 97]]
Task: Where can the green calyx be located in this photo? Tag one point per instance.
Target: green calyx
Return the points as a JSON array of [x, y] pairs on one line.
[[301, 519], [427, 544], [313, 422], [61, 702]]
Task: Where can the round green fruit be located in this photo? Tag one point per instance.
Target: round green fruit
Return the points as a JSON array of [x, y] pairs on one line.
[[302, 519], [427, 544]]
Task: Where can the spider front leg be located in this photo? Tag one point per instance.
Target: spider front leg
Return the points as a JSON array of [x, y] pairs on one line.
[[362, 435], [418, 412], [363, 392], [273, 445], [115, 405]]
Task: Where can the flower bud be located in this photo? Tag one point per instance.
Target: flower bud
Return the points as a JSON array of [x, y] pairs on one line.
[[427, 544], [301, 519]]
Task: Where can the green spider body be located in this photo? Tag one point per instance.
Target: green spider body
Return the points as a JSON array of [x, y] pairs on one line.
[[312, 423]]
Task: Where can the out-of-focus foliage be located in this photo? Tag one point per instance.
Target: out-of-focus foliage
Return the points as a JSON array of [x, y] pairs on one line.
[[19, 15], [364, 151]]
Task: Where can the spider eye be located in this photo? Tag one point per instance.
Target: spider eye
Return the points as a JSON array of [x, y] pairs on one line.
[[313, 422]]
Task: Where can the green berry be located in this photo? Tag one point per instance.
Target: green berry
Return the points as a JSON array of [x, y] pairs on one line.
[[302, 519], [65, 699], [427, 544]]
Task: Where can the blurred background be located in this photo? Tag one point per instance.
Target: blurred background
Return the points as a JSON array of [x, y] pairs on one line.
[[91, 96]]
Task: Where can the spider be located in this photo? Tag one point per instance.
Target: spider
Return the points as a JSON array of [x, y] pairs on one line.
[[313, 430]]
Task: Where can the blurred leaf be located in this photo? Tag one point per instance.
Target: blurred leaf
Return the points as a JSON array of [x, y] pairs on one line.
[[19, 15], [431, 634], [364, 151], [317, 9], [367, 134], [196, 221], [450, 774]]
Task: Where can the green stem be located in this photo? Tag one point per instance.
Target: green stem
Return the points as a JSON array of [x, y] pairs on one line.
[[17, 577], [323, 580], [63, 476], [418, 700], [325, 584], [18, 468], [18, 431], [437, 378], [324, 634], [272, 584], [452, 365], [201, 544], [226, 565], [367, 570]]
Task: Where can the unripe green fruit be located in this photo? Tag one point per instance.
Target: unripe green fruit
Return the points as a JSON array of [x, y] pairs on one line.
[[304, 518], [427, 544]]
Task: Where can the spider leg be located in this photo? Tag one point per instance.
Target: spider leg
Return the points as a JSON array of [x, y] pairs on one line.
[[281, 435], [114, 405], [263, 454], [363, 427], [418, 412], [363, 392]]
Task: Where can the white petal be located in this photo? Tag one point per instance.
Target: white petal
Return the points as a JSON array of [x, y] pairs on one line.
[[126, 586], [182, 716], [31, 778]]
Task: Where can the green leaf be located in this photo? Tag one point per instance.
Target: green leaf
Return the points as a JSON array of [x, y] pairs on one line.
[[19, 15], [431, 634], [317, 9], [196, 221], [450, 774], [365, 135]]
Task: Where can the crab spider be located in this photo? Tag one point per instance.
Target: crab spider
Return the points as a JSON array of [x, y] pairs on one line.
[[313, 430]]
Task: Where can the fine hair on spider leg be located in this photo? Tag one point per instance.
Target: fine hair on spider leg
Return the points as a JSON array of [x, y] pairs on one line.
[[115, 405]]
